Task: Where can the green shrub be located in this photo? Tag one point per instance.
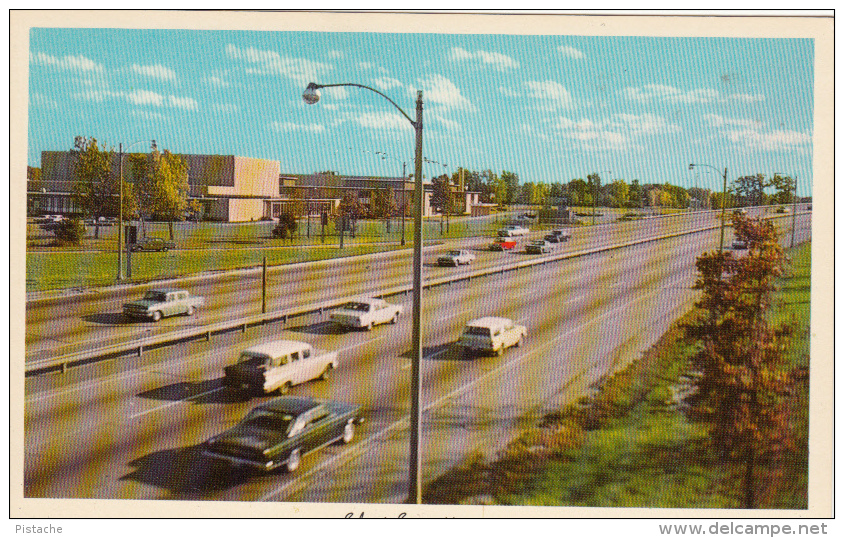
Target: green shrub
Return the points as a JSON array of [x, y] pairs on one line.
[[286, 226], [69, 231]]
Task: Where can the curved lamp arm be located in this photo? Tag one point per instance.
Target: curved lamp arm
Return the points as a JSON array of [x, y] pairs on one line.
[[311, 95]]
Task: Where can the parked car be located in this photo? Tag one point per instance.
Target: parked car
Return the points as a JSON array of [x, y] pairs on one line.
[[558, 236], [159, 303], [503, 243], [491, 334], [738, 244], [456, 257], [278, 433], [278, 366], [513, 231], [149, 244], [783, 209], [366, 313], [538, 247]]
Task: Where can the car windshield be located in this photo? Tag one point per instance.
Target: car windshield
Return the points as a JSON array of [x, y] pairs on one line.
[[253, 359], [454, 253], [154, 296], [279, 422], [477, 331], [357, 307]]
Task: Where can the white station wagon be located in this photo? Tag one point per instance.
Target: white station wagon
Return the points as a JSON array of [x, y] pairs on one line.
[[491, 334], [366, 313], [278, 365]]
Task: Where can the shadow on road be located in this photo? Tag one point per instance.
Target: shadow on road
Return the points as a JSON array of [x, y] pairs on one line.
[[111, 318], [202, 392], [186, 470], [441, 352], [322, 328]]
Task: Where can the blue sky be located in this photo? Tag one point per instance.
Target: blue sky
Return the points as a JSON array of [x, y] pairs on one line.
[[550, 108]]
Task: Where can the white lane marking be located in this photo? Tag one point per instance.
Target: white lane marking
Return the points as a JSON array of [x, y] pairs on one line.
[[359, 447], [455, 314]]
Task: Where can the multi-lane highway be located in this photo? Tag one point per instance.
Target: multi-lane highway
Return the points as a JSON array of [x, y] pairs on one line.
[[131, 428]]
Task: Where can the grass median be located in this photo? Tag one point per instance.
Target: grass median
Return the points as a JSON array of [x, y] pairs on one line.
[[631, 444]]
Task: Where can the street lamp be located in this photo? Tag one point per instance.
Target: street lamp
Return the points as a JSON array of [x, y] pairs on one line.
[[121, 153], [723, 200], [595, 192], [311, 95], [384, 156], [793, 208]]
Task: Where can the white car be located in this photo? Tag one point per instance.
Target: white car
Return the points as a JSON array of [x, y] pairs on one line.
[[366, 313], [456, 257], [513, 231], [491, 334], [278, 365]]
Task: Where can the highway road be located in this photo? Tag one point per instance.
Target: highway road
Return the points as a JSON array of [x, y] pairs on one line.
[[131, 428], [82, 322]]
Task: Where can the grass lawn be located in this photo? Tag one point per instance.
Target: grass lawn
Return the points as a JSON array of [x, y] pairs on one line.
[[631, 444], [52, 270]]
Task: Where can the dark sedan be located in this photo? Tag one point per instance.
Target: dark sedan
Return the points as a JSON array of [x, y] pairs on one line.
[[278, 433], [152, 244]]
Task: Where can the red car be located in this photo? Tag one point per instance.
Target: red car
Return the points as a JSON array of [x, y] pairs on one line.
[[502, 244]]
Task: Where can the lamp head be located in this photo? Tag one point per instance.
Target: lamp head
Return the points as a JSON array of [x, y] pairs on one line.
[[311, 93], [691, 167]]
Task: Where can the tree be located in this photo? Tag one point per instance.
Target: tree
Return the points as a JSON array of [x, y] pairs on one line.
[[750, 190], [701, 197], [617, 192], [286, 226], [511, 183], [785, 186], [162, 185], [635, 195], [741, 374], [594, 182], [384, 205], [95, 187], [69, 231]]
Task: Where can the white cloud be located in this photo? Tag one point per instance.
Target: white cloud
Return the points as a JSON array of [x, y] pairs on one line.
[[145, 97], [69, 62], [719, 121], [157, 71], [216, 80], [337, 93], [571, 52], [386, 83], [272, 63], [778, 140], [671, 94], [619, 132], [494, 59], [449, 123], [141, 97], [440, 90], [646, 124], [747, 98], [381, 120], [186, 103], [509, 92], [226, 108], [286, 126], [43, 101], [335, 54], [550, 92]]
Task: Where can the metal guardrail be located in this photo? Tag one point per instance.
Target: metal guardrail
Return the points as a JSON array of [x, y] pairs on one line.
[[138, 346]]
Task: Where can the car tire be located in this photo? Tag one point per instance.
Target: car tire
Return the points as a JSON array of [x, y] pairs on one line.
[[190, 311], [156, 316], [327, 372], [285, 388], [293, 461], [348, 433], [395, 318], [164, 249], [519, 341], [369, 327], [498, 352]]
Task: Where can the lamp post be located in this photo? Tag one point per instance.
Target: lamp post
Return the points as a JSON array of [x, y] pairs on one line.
[[448, 186], [311, 95], [723, 200], [595, 192], [121, 153], [793, 208], [384, 156]]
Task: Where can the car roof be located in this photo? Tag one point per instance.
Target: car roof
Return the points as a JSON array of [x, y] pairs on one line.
[[276, 348], [489, 321], [367, 300], [167, 290], [295, 405]]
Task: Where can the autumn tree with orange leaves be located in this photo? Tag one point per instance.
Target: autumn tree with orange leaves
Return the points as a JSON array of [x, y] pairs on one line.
[[742, 378]]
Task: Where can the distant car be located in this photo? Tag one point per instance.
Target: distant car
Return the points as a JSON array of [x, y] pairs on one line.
[[150, 244], [491, 334], [281, 431], [456, 257], [277, 366], [159, 303], [740, 212], [558, 236], [738, 244], [102, 221], [366, 313], [513, 231], [538, 247], [783, 209], [808, 207], [503, 243]]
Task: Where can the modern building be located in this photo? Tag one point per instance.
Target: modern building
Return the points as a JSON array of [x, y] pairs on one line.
[[232, 188]]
